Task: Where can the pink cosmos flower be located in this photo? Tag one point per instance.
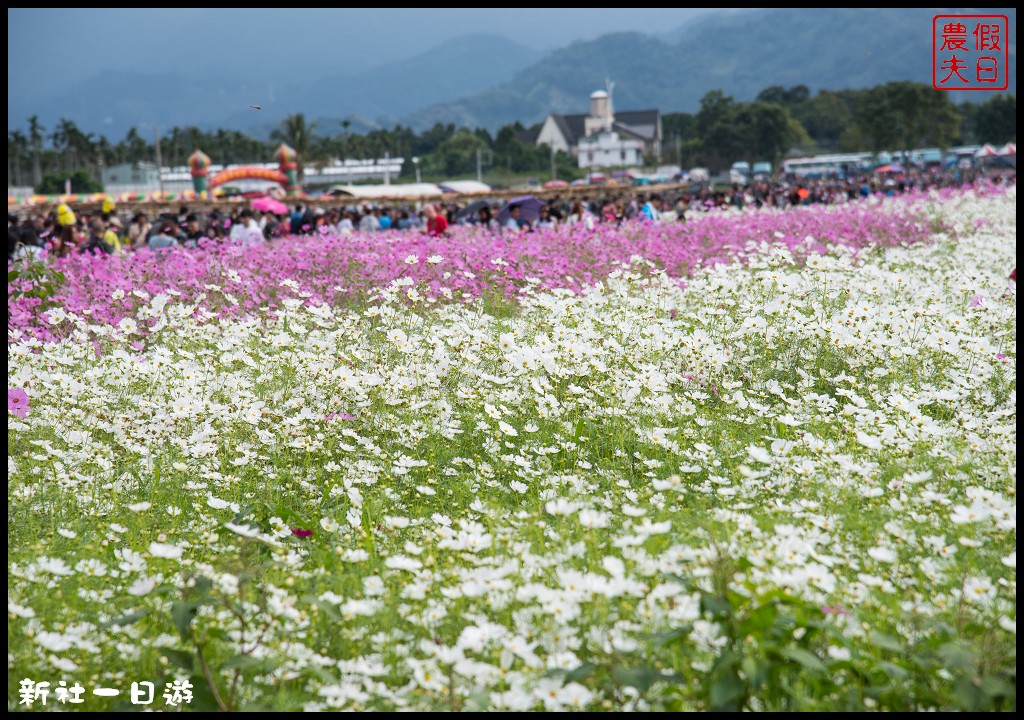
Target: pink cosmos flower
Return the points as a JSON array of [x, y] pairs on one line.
[[17, 402]]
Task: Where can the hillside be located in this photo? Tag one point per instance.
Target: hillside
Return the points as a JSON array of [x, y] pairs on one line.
[[741, 53]]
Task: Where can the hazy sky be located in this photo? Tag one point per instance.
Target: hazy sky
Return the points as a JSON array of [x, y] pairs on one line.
[[55, 47]]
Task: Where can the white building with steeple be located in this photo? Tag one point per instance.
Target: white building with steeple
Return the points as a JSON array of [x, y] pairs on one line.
[[603, 138]]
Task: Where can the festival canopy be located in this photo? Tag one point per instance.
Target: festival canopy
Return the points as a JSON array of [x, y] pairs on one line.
[[1007, 149], [986, 151]]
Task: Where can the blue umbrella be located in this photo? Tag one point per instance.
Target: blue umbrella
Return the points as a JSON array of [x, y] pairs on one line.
[[529, 209]]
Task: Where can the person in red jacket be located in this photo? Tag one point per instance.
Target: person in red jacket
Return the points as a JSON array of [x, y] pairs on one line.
[[437, 224]]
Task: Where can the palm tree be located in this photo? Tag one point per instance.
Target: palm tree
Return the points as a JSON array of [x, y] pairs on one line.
[[17, 148], [35, 135], [299, 135]]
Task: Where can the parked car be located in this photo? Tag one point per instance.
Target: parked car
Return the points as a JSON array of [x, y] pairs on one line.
[[740, 168], [762, 170], [699, 175]]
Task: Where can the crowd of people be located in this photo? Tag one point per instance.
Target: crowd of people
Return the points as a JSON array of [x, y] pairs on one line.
[[62, 231]]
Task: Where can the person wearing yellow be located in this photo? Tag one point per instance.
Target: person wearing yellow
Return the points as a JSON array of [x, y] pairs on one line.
[[112, 234], [65, 239]]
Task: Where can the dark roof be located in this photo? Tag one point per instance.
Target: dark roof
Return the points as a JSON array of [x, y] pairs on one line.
[[529, 137], [642, 124], [571, 126]]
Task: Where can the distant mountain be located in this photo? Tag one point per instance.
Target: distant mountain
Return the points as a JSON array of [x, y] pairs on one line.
[[739, 52], [489, 81], [111, 103]]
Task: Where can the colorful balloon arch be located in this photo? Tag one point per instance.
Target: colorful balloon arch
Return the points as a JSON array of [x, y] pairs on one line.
[[248, 172], [199, 164]]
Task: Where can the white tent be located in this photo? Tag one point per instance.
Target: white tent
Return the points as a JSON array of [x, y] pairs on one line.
[[406, 190], [1007, 149], [986, 151], [465, 186]]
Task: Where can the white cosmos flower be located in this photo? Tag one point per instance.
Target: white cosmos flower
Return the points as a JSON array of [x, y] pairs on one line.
[[216, 503], [165, 550], [871, 442], [519, 487], [55, 642], [882, 554], [243, 530], [19, 610], [140, 506], [979, 590], [142, 586], [329, 525], [434, 259], [54, 566], [507, 429]]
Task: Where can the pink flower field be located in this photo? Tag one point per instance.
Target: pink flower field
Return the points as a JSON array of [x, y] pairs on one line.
[[335, 269]]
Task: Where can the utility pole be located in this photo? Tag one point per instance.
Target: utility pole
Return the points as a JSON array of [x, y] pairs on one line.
[[387, 168], [479, 165], [554, 173], [159, 160]]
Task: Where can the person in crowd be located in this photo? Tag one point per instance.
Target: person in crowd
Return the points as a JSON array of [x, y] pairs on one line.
[[437, 223], [514, 222], [96, 242], [346, 226], [545, 221], [64, 240], [138, 231], [112, 235], [193, 232], [652, 209], [485, 218], [370, 222], [246, 231], [580, 215], [164, 236]]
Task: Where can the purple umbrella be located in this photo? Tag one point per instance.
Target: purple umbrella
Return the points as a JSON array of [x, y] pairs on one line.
[[529, 209]]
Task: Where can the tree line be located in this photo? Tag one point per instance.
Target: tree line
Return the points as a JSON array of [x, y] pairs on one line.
[[779, 121]]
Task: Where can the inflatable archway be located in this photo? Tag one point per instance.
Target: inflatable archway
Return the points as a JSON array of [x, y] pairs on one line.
[[286, 176], [248, 173]]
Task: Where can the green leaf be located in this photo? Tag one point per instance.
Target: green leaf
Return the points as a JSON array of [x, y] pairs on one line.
[[672, 636], [715, 604], [202, 698], [886, 642], [183, 613], [128, 619], [180, 658], [640, 677], [581, 673], [955, 656], [725, 691], [806, 658], [893, 670]]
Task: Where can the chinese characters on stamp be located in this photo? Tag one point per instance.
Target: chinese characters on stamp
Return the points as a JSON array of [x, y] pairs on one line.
[[970, 52]]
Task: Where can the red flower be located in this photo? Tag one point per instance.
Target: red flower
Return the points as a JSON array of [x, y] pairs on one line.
[[301, 532], [1013, 275]]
